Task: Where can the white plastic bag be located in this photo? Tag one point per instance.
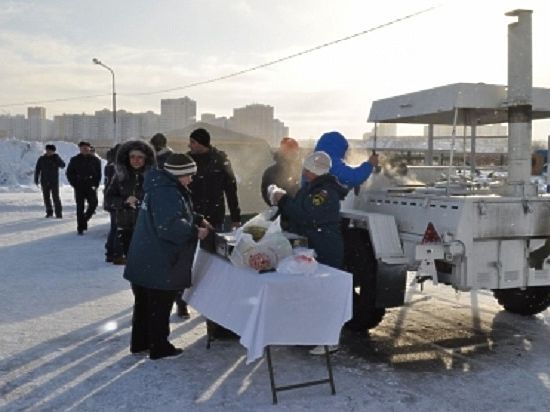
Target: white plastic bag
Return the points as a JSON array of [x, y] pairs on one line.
[[301, 262], [264, 253]]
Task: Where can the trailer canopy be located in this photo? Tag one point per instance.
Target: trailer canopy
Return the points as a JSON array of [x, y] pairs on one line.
[[477, 103]]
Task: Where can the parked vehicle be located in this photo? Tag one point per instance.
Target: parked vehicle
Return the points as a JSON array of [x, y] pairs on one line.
[[467, 236]]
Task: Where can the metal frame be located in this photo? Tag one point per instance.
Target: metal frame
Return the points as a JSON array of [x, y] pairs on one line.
[[275, 389]]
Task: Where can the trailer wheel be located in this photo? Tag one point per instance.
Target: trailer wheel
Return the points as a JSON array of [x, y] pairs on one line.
[[526, 302], [360, 261]]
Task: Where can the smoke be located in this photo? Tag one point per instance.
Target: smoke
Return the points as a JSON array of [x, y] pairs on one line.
[[391, 176]]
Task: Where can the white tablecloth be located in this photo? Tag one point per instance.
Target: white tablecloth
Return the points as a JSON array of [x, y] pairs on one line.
[[271, 308]]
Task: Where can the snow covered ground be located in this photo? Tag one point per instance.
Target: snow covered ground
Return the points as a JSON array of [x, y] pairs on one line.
[[65, 322]]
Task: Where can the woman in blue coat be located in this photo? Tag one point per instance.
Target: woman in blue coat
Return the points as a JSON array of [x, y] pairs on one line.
[[161, 253], [336, 146]]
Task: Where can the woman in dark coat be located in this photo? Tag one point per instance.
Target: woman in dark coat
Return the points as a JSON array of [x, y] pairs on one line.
[[161, 253], [125, 192]]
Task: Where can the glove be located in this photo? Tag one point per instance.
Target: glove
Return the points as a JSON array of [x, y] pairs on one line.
[[272, 190]]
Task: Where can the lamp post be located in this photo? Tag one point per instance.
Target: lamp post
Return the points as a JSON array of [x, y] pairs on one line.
[[97, 61]]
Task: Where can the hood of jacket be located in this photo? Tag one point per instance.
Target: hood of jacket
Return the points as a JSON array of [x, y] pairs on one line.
[[122, 165], [332, 143]]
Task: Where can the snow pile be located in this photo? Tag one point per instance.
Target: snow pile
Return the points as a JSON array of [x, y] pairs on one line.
[[18, 160]]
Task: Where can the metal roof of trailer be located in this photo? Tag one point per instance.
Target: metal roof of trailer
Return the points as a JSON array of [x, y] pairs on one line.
[[479, 102]]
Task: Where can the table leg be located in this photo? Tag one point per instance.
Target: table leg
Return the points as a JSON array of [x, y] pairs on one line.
[[329, 367], [271, 375]]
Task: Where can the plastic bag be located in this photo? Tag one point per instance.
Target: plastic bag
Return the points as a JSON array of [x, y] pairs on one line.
[[301, 262], [261, 253], [261, 224]]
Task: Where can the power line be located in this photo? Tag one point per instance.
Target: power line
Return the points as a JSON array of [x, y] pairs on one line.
[[282, 59], [61, 99], [238, 73]]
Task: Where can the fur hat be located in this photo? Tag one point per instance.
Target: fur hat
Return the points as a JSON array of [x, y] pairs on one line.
[[318, 163], [51, 147], [179, 164], [201, 136]]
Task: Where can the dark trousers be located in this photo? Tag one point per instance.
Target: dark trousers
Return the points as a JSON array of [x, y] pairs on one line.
[[82, 195], [49, 189], [110, 245], [122, 241], [151, 318]]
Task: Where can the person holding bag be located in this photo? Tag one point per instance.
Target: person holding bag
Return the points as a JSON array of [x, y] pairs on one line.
[[125, 192]]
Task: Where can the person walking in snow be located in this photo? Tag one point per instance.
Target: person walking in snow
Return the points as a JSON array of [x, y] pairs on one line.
[[161, 253], [84, 175], [125, 192], [47, 173]]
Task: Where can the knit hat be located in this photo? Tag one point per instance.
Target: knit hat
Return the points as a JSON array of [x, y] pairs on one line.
[[288, 145], [179, 164], [51, 147], [318, 163], [201, 136], [158, 141]]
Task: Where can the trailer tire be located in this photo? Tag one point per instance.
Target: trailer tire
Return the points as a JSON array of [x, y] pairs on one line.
[[360, 261], [526, 302]]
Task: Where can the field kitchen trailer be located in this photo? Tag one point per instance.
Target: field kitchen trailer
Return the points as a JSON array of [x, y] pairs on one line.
[[470, 238]]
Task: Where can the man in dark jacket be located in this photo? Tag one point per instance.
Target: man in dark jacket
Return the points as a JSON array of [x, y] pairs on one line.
[[47, 173], [214, 179], [162, 151], [315, 210], [315, 213], [161, 253], [84, 175], [286, 171]]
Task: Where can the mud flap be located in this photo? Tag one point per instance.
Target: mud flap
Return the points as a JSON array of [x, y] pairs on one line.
[[391, 281]]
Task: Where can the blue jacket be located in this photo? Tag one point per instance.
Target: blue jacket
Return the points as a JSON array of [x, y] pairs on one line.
[[336, 146], [315, 213], [165, 237]]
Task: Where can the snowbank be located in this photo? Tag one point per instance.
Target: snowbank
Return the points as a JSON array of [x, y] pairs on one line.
[[18, 160]]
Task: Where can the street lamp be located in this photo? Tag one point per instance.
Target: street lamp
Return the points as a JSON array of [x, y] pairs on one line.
[[97, 61]]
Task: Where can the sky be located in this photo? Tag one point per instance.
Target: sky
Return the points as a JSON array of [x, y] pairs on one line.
[[47, 48]]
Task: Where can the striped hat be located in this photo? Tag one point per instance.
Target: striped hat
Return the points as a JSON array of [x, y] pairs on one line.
[[180, 164]]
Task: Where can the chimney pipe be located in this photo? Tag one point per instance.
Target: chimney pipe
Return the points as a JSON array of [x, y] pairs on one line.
[[520, 85]]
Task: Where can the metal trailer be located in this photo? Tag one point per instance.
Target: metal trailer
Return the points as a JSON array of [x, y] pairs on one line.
[[491, 238]]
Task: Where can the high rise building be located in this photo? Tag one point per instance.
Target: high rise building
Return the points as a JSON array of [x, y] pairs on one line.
[[258, 120], [13, 126], [177, 113], [37, 123]]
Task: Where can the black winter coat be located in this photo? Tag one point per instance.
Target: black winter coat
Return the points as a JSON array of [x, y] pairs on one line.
[[127, 182], [285, 174], [47, 170], [213, 179], [162, 155], [84, 171]]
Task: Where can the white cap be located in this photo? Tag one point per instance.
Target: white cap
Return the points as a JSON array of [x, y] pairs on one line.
[[318, 163]]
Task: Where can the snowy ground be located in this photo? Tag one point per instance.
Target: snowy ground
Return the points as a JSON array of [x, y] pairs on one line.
[[64, 333]]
